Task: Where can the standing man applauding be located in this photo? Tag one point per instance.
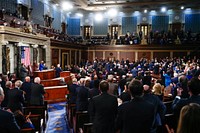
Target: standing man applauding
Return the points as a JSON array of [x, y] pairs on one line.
[[103, 110]]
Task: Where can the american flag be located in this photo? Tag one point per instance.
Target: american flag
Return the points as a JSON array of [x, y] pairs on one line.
[[25, 55]]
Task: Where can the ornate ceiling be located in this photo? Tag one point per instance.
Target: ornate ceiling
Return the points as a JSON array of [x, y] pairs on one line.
[[130, 5]]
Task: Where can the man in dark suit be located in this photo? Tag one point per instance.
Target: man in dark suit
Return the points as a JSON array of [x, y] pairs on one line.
[[137, 115], [8, 123], [72, 91], [26, 87], [194, 91], [15, 97], [82, 96], [23, 72], [58, 70], [37, 93], [103, 110], [95, 90]]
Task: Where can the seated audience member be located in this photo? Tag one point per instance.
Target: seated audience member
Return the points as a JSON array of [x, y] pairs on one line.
[[189, 119], [23, 121], [103, 110], [15, 97], [136, 116], [194, 91], [37, 93], [8, 123], [58, 70], [26, 87]]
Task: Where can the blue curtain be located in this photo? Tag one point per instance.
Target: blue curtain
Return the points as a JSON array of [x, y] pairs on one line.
[[38, 12], [160, 23], [192, 22], [9, 5], [129, 24], [73, 27], [57, 19], [101, 28]]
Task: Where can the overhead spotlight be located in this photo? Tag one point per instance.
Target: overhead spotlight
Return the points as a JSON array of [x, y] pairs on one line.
[[79, 15], [67, 6], [188, 10], [145, 11], [112, 12], [182, 7], [163, 9], [98, 17]]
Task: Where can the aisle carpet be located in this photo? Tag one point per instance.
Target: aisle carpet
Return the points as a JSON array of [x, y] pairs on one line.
[[57, 122]]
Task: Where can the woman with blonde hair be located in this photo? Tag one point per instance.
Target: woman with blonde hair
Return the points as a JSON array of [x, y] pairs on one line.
[[157, 90]]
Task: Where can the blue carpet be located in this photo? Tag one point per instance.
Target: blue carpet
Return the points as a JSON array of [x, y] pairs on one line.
[[57, 122]]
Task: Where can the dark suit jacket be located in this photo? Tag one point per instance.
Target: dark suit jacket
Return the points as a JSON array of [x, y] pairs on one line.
[[15, 99], [82, 98], [179, 103], [72, 93], [94, 92], [8, 123], [103, 110], [135, 116], [26, 87], [37, 92]]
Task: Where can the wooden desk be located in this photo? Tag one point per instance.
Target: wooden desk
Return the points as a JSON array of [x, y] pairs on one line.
[[64, 73], [45, 74], [51, 82], [56, 93]]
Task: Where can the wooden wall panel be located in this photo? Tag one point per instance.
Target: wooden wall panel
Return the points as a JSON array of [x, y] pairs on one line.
[[144, 55], [125, 55], [84, 55], [179, 54], [73, 57], [160, 55], [99, 54], [77, 57], [55, 56], [90, 56], [130, 55], [111, 55], [122, 55]]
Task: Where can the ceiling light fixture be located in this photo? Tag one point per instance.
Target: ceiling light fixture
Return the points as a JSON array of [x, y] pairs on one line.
[[67, 6], [182, 7], [163, 9]]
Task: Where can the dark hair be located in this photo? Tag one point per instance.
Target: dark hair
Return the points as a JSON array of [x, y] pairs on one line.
[[96, 83], [136, 87], [194, 86], [189, 119], [125, 96], [104, 86]]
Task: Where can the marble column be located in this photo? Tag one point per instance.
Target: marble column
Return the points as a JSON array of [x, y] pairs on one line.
[[48, 53]]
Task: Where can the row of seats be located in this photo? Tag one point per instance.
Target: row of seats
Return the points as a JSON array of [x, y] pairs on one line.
[[78, 120], [38, 116]]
